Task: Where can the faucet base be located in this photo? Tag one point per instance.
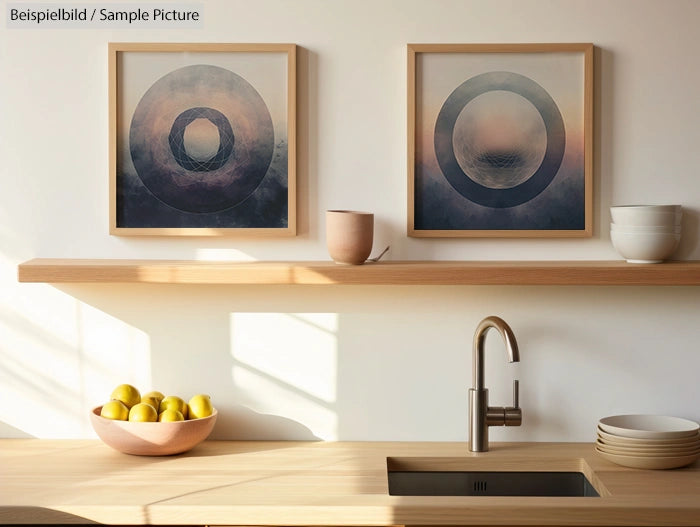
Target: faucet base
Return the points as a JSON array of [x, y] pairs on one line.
[[478, 411], [481, 416]]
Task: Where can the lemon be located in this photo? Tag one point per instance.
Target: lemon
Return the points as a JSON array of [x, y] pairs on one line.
[[155, 403], [155, 395], [127, 394], [171, 415], [143, 412], [200, 406], [116, 410], [173, 402]]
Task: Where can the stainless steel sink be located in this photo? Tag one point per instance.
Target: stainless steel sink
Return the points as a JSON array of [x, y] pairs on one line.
[[490, 484], [480, 476]]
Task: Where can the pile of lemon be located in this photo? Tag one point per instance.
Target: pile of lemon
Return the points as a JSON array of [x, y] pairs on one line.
[[127, 404]]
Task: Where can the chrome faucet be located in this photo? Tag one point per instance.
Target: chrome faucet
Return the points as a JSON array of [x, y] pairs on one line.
[[481, 415]]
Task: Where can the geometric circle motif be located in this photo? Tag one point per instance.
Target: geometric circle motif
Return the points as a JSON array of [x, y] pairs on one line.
[[177, 139], [499, 139], [502, 158], [174, 160]]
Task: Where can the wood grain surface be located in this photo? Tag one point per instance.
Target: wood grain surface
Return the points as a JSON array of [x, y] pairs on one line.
[[56, 270], [320, 483]]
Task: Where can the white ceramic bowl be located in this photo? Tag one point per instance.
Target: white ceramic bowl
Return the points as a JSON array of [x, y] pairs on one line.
[[645, 247], [635, 442], [646, 214], [644, 426], [673, 229], [152, 439]]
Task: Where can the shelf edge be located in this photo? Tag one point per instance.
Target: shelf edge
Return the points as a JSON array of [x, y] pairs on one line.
[[585, 272]]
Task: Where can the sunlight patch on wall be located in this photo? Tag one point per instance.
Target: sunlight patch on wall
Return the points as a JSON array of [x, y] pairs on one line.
[[112, 352], [286, 364], [58, 358], [222, 254]]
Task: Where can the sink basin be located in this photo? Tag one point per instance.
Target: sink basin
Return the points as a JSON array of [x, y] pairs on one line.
[[467, 477], [490, 484]]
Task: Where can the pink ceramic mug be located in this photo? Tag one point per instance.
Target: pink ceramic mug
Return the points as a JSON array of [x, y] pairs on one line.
[[349, 235]]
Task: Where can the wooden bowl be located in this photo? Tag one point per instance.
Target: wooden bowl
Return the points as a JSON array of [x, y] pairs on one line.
[[651, 452], [151, 439], [649, 463]]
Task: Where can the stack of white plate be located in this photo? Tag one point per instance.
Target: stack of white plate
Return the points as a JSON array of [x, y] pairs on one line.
[[645, 233], [648, 441]]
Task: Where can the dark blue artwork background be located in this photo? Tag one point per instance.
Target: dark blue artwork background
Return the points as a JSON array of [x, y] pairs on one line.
[[265, 208], [561, 206]]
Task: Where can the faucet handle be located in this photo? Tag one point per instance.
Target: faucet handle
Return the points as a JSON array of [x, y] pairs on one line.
[[514, 414]]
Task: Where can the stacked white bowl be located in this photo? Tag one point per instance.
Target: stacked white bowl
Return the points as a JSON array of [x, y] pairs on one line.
[[645, 233], [648, 441]]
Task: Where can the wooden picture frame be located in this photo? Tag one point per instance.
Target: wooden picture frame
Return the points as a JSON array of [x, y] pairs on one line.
[[202, 139], [500, 140]]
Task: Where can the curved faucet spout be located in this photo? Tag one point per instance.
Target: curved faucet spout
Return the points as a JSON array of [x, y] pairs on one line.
[[478, 351], [481, 415]]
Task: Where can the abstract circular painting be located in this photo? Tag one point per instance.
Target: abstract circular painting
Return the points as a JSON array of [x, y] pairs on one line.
[[202, 140], [502, 140]]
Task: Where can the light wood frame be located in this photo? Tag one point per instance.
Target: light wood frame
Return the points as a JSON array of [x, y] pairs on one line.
[[257, 60], [491, 58]]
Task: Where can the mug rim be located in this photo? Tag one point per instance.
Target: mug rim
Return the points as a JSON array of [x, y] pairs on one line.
[[345, 211]]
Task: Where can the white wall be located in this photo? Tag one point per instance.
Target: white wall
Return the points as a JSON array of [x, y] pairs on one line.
[[385, 363]]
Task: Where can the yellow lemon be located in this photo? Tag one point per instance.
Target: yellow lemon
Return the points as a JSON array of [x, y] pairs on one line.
[[155, 395], [155, 403], [170, 415], [116, 410], [200, 406], [143, 412], [173, 402], [127, 394]]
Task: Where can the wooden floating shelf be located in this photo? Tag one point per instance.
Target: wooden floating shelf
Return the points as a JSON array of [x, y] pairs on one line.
[[51, 270]]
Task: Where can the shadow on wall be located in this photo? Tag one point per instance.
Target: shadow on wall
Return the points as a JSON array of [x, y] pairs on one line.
[[9, 431], [245, 424], [690, 234], [272, 374], [41, 370], [286, 375], [190, 352], [361, 372], [392, 369]]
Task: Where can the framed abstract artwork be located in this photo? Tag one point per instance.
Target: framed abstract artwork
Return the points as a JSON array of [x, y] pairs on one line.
[[500, 140], [202, 139]]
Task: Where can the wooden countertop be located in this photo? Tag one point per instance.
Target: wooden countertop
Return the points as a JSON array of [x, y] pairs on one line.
[[319, 483]]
